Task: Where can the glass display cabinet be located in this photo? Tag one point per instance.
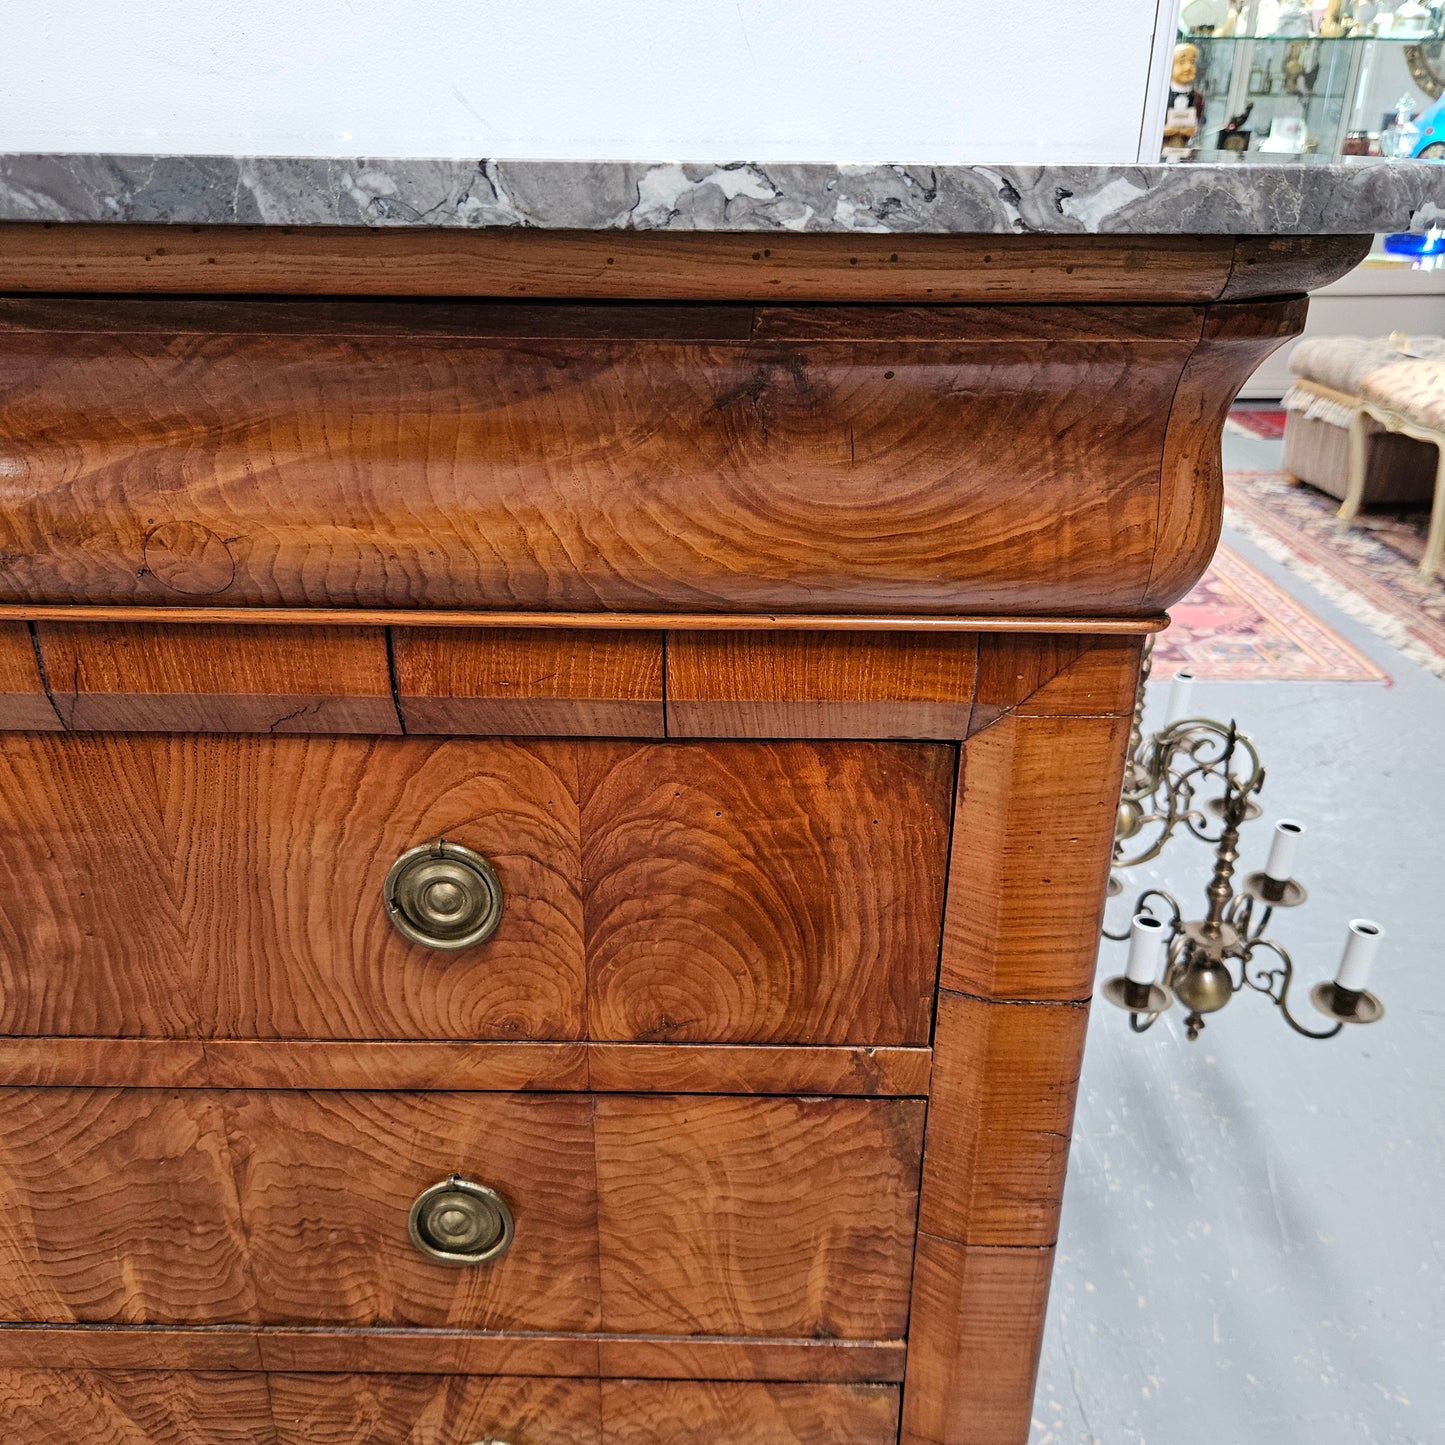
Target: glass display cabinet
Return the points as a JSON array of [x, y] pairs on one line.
[[1282, 96]]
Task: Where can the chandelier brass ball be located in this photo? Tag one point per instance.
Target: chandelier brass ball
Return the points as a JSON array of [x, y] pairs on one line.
[[1130, 819], [1205, 986]]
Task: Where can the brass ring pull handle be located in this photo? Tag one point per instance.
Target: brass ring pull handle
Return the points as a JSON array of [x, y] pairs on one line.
[[461, 1222], [443, 896]]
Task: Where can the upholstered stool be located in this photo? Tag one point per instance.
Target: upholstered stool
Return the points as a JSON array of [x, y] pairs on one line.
[[1403, 400], [1321, 406]]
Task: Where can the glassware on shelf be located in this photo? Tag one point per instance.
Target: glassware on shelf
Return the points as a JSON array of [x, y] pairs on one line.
[[1399, 139]]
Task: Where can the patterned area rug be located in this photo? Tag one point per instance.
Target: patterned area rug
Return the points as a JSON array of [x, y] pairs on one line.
[[1264, 421], [1367, 571], [1238, 625]]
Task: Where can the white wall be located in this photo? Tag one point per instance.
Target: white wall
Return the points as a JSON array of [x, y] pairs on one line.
[[828, 80]]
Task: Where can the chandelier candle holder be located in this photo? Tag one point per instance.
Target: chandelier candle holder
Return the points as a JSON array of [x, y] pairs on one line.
[[1202, 963]]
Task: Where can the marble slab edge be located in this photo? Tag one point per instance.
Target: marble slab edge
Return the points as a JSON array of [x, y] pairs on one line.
[[1241, 199]]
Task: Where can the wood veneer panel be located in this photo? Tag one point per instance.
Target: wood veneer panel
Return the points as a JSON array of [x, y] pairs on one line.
[[874, 623], [1047, 675], [975, 1337], [1031, 845], [757, 1069], [819, 685], [23, 703], [429, 1352], [343, 1409], [1236, 339], [326, 1182], [119, 1206], [42, 1407], [103, 1063], [999, 1117], [152, 678], [457, 1066], [655, 1412], [763, 892], [323, 1182], [499, 262], [372, 458], [1279, 265], [530, 683], [697, 1358], [367, 1064], [142, 930], [781, 1216], [129, 1347]]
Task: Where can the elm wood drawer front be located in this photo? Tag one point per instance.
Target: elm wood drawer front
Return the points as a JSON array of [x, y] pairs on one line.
[[662, 1215], [202, 886], [197, 1207], [651, 1412], [208, 886], [765, 892], [573, 457], [160, 1407], [236, 1408]]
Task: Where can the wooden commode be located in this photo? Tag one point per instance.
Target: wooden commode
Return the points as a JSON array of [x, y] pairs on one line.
[[554, 811]]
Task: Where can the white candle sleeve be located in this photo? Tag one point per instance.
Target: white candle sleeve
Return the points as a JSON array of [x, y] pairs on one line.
[[1361, 944], [1282, 849], [1146, 941], [1181, 695]]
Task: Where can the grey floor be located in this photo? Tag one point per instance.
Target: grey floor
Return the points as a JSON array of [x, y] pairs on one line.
[[1253, 1241]]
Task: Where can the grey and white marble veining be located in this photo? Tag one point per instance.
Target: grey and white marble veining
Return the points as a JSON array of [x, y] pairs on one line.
[[1306, 198]]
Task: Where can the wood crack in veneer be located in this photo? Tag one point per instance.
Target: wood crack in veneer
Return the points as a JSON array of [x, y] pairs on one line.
[[766, 611]]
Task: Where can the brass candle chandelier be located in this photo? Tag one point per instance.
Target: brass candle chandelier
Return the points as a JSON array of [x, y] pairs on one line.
[[1204, 777]]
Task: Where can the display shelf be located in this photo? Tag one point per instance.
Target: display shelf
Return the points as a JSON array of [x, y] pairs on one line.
[[1302, 95]]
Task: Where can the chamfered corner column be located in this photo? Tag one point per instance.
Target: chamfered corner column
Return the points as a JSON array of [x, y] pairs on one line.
[[1033, 833]]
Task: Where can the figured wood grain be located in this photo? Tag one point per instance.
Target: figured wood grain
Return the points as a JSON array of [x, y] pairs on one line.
[[103, 1063], [819, 685], [419, 1351], [975, 1335], [367, 457], [344, 1409], [331, 261], [699, 1358], [577, 621], [1000, 1112], [129, 1347], [1047, 675], [780, 1216], [155, 678], [765, 893], [323, 1182], [1191, 497], [756, 1069], [46, 1406], [655, 1412], [1032, 837], [23, 701], [209, 886], [119, 1206], [326, 1180], [529, 683], [1281, 265], [457, 1066]]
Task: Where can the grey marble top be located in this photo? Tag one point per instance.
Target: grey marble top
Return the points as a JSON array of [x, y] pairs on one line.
[[1242, 198]]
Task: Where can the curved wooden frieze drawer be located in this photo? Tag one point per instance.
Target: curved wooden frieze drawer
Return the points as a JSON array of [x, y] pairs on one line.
[[239, 1408], [653, 1215], [161, 886], [608, 457]]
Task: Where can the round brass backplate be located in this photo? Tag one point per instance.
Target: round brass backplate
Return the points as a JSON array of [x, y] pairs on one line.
[[443, 895], [461, 1222]]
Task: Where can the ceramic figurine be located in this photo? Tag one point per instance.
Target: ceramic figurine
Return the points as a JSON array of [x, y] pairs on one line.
[[1185, 114]]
